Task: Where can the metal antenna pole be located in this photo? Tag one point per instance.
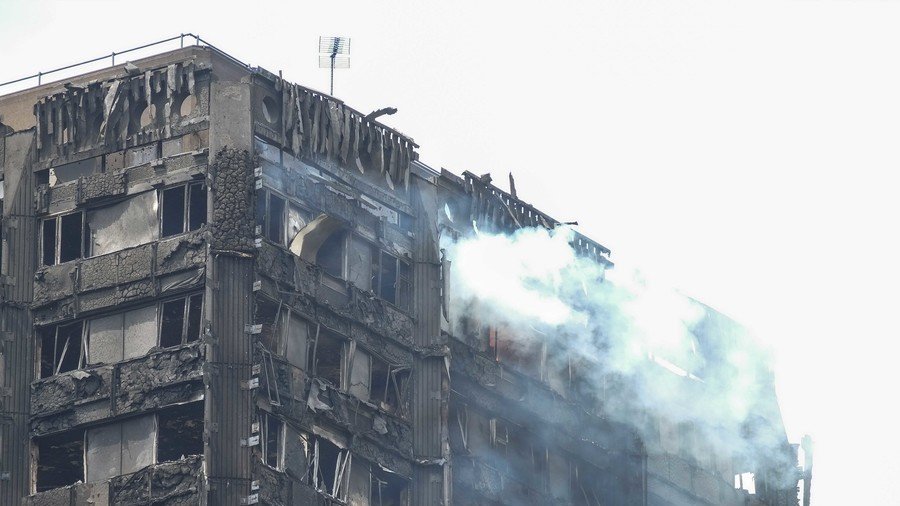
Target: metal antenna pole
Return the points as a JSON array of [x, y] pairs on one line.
[[334, 53]]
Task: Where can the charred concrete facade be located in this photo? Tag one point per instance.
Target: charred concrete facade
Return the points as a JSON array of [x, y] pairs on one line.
[[219, 287]]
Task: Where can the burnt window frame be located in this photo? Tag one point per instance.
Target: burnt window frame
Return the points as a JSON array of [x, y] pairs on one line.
[[187, 194], [402, 284], [57, 238], [56, 365], [185, 319], [266, 421], [312, 366]]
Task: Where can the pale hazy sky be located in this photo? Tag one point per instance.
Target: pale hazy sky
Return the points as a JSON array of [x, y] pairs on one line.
[[745, 151]]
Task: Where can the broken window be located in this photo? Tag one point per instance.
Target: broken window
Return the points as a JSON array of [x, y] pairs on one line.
[[121, 448], [60, 460], [745, 481], [180, 432], [297, 219], [360, 372], [183, 208], [295, 338], [272, 441], [277, 220], [180, 320], [121, 336], [587, 489], [458, 419], [126, 224], [393, 280], [524, 353], [388, 489], [62, 349], [62, 238], [330, 255], [330, 468], [327, 357], [388, 387], [360, 263]]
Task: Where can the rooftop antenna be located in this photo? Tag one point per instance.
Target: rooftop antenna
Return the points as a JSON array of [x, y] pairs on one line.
[[334, 53]]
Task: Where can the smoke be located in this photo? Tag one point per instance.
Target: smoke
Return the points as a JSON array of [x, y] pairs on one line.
[[648, 354]]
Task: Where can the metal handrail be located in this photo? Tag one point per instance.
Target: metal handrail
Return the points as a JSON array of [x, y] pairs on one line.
[[112, 56]]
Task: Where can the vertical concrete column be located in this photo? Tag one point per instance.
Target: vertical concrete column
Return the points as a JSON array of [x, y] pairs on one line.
[[430, 383], [229, 290], [16, 331]]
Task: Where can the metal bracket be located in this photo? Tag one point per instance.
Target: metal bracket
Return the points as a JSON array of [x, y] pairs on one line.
[[254, 427], [257, 285], [250, 384], [250, 499], [5, 476], [254, 485], [250, 441], [253, 328]]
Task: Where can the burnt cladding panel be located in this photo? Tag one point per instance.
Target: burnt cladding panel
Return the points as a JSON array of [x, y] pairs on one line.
[[15, 318], [229, 406]]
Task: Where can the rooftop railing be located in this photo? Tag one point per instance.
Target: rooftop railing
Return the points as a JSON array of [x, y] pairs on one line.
[[195, 39]]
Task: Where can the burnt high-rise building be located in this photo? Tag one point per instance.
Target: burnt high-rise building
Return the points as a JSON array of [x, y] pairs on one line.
[[219, 287]]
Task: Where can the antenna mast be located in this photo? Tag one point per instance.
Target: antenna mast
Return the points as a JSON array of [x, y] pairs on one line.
[[334, 53]]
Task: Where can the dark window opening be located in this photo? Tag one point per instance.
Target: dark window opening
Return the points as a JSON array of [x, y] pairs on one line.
[[197, 209], [272, 429], [183, 208], [62, 239], [327, 357], [60, 460], [181, 321], [49, 242], [394, 280], [387, 488], [42, 177], [62, 349], [261, 206], [195, 309], [330, 256], [268, 315], [587, 489], [173, 211], [330, 460], [275, 228], [387, 278], [389, 386], [180, 432]]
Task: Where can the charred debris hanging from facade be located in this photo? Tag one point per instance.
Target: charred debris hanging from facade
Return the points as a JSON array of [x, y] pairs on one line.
[[219, 287]]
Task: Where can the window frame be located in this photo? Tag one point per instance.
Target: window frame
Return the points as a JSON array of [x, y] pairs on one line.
[[186, 207], [57, 246], [185, 323], [264, 421]]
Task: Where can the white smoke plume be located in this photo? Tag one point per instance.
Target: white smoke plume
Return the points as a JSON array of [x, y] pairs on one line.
[[652, 353]]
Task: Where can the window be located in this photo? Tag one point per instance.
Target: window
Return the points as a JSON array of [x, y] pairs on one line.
[[180, 321], [330, 465], [277, 220], [121, 448], [121, 336], [183, 208], [330, 256], [389, 386], [180, 432], [60, 460], [62, 238], [62, 349], [587, 485], [327, 357], [125, 224], [387, 489], [393, 281], [101, 452], [272, 441]]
